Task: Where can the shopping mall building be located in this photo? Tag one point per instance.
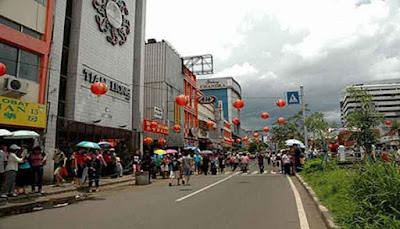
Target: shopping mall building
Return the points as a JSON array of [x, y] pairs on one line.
[[54, 51]]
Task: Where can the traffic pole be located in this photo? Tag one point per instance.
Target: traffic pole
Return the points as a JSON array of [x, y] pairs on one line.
[[303, 105]]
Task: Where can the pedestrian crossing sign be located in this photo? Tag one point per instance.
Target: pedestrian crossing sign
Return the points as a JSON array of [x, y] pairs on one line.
[[293, 97]]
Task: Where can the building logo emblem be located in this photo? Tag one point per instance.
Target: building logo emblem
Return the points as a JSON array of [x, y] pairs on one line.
[[112, 20]]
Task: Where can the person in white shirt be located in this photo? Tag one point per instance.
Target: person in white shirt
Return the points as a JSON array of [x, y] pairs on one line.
[[11, 172], [3, 156]]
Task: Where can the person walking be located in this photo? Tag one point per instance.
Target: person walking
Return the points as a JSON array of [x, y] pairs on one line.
[[79, 158], [94, 165], [37, 159], [136, 162], [197, 163], [245, 163], [3, 157], [236, 160], [147, 164], [206, 162], [60, 161], [221, 164], [260, 159], [187, 168], [103, 163], [11, 172], [286, 163], [175, 167], [24, 174]]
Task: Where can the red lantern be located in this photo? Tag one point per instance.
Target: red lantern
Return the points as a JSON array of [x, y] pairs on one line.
[[3, 69], [177, 128], [210, 124], [238, 141], [257, 140], [236, 121], [281, 120], [281, 103], [388, 123], [255, 135], [238, 104], [264, 115], [153, 124], [162, 141], [148, 141], [266, 129], [232, 140], [245, 139], [99, 88], [182, 100]]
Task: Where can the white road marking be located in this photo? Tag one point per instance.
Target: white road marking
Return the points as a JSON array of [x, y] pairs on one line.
[[299, 204], [205, 188], [254, 173], [237, 173], [228, 173]]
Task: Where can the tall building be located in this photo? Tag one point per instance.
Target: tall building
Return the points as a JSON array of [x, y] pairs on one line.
[[163, 82], [227, 90], [191, 109], [56, 50], [385, 94]]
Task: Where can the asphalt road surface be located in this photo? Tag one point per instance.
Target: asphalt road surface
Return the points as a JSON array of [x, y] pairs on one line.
[[233, 200]]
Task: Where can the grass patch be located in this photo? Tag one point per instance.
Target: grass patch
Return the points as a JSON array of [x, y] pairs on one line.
[[367, 196]]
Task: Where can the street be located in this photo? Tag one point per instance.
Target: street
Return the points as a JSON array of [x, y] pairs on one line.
[[233, 200]]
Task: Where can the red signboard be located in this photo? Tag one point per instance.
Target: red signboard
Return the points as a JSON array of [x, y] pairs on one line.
[[160, 129]]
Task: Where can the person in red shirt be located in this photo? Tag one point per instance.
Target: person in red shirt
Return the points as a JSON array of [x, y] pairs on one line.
[[79, 164]]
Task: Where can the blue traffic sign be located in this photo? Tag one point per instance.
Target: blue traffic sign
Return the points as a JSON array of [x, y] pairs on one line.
[[293, 97]]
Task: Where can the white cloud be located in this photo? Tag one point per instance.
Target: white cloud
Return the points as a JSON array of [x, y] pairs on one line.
[[238, 70]]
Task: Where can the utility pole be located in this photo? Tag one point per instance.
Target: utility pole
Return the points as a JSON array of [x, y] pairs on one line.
[[303, 105]]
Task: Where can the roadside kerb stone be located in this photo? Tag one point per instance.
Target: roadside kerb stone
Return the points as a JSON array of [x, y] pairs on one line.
[[325, 214]]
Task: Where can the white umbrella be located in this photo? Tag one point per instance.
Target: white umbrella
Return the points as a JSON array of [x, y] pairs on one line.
[[23, 134], [207, 152], [5, 133], [292, 142]]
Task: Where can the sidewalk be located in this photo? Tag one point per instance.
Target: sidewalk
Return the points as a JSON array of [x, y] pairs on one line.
[[50, 190]]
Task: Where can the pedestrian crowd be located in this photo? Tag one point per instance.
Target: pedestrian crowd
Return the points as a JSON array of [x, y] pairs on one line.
[[21, 168]]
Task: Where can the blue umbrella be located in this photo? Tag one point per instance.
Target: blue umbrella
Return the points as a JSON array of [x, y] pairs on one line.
[[90, 145], [104, 144]]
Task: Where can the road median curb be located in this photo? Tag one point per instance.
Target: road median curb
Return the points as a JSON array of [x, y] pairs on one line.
[[324, 212]]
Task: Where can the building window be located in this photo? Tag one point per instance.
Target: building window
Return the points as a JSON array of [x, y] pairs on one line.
[[20, 63], [20, 28], [9, 56]]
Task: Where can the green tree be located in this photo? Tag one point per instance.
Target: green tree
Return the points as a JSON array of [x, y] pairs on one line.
[[317, 124], [364, 119]]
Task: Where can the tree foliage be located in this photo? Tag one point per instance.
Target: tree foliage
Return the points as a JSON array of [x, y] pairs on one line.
[[317, 124], [364, 118]]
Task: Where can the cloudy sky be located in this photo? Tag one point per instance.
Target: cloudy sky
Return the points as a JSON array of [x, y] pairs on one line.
[[272, 46]]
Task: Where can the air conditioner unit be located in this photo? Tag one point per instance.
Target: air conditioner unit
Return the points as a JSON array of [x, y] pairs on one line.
[[15, 88]]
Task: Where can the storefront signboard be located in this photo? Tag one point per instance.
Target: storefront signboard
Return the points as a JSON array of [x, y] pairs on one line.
[[160, 129], [16, 112]]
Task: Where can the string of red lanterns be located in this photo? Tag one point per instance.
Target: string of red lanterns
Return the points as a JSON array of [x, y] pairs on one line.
[[148, 141], [182, 100], [388, 123], [281, 121], [238, 140], [162, 141], [210, 124], [99, 88], [177, 128], [255, 135], [266, 129], [265, 115]]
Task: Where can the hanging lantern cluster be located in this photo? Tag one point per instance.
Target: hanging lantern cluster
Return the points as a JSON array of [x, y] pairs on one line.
[[266, 129], [238, 104], [148, 141], [236, 121], [177, 128], [182, 100], [265, 115], [162, 142], [3, 69], [388, 123], [280, 103], [281, 121], [99, 88], [210, 124]]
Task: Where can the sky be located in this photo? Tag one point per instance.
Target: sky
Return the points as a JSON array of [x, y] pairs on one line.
[[271, 47]]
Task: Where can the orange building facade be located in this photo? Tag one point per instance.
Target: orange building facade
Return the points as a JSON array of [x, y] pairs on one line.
[[191, 121]]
